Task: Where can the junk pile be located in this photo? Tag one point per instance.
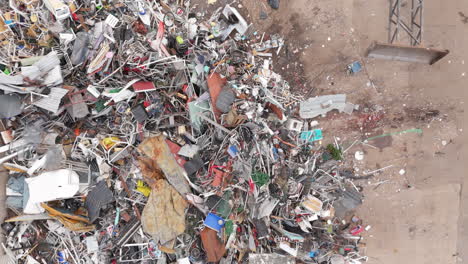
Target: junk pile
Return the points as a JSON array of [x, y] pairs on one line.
[[145, 132]]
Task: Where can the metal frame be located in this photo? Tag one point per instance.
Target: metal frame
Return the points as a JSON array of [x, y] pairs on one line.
[[399, 23]]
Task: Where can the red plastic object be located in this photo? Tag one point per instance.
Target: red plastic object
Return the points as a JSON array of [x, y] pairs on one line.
[[355, 231], [175, 149]]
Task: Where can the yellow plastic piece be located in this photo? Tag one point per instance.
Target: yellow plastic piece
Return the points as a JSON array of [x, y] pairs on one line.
[[141, 187], [109, 142]]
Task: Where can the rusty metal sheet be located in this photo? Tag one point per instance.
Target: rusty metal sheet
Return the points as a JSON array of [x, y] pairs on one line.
[[164, 214], [215, 86], [213, 246], [157, 149]]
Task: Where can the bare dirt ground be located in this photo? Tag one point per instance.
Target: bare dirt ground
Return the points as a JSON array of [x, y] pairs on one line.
[[418, 206]]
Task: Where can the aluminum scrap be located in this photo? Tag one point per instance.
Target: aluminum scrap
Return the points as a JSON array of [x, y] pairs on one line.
[[122, 104]]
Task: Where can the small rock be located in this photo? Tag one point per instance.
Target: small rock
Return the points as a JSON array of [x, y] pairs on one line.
[[274, 4]]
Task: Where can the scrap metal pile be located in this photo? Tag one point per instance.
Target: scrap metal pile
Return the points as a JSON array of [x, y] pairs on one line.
[[146, 132]]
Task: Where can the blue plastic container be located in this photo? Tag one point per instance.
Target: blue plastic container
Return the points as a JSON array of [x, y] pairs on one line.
[[214, 222]]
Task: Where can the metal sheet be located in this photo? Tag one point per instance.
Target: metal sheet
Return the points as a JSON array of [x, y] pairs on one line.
[[164, 214], [10, 106], [321, 105], [157, 149], [99, 196], [52, 101], [405, 53]]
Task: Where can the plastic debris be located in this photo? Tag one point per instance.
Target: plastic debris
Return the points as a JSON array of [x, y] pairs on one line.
[[354, 67], [147, 132]]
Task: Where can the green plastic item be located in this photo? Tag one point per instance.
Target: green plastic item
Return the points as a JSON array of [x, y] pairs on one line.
[[228, 227], [223, 208], [196, 108], [7, 71], [179, 40], [115, 90], [260, 178], [412, 130], [311, 136], [99, 106]]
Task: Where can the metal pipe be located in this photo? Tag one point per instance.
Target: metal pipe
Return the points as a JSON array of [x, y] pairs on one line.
[[374, 171], [9, 157]]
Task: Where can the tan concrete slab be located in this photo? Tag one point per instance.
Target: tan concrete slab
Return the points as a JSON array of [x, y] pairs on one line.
[[414, 226]]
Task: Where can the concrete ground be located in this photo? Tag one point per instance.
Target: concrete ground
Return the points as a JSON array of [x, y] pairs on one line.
[[417, 207]]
